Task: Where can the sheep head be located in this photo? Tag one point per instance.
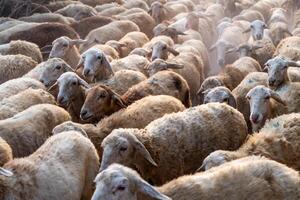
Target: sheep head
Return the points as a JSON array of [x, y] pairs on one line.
[[257, 28], [221, 95], [161, 50], [100, 101], [118, 182], [122, 146], [160, 65], [260, 105]]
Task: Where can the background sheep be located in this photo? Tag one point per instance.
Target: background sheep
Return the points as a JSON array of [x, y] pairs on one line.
[[70, 157], [15, 66], [48, 17], [23, 100], [5, 152], [22, 47], [219, 94], [77, 11], [15, 86], [277, 140], [171, 145], [22, 132], [235, 175]]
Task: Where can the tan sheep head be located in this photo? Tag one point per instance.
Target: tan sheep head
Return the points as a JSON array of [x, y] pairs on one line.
[[100, 101], [157, 12], [118, 182], [52, 69], [221, 95], [68, 127], [117, 45], [122, 146], [160, 65], [69, 85], [95, 65], [61, 46], [260, 105], [277, 70], [161, 50]]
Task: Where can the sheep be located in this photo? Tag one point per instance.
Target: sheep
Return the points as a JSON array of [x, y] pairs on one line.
[[277, 140], [48, 72], [230, 38], [22, 47], [23, 100], [161, 49], [257, 28], [112, 31], [289, 48], [15, 66], [69, 157], [230, 78], [249, 176], [219, 94], [249, 15], [161, 12], [137, 115], [109, 11], [48, 17], [17, 85], [160, 38], [77, 11], [128, 43], [149, 151], [86, 25], [94, 3], [247, 65], [136, 4], [5, 152], [279, 81], [141, 18], [65, 48], [262, 107], [163, 82], [24, 134], [56, 5]]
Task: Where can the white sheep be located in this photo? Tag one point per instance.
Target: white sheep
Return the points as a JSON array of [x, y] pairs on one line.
[[29, 129], [68, 157], [278, 140], [248, 178], [171, 145]]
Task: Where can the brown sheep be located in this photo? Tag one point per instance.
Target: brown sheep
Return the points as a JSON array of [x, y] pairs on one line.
[[163, 82], [5, 152], [26, 131]]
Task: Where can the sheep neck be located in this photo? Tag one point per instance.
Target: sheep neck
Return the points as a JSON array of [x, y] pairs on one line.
[[78, 101]]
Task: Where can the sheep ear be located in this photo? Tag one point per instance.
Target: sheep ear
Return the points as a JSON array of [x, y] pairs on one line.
[[293, 63], [173, 51], [150, 11], [174, 66], [53, 86], [5, 172], [288, 32], [118, 100], [247, 30], [107, 65], [80, 64], [201, 168], [150, 191], [231, 50], [276, 97], [141, 149], [232, 101], [77, 42], [200, 91], [255, 47], [213, 47], [83, 83]]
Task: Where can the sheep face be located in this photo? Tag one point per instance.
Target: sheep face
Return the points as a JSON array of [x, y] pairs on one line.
[[277, 71], [53, 68], [94, 63], [221, 95], [257, 28], [99, 102], [161, 50], [69, 85], [122, 146], [156, 11], [118, 182], [61, 46], [260, 105]]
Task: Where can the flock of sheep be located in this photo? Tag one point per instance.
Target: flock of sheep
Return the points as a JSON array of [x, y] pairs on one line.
[[149, 99]]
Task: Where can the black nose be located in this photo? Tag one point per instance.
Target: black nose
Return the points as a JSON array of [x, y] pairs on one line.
[[83, 113], [61, 100], [271, 82], [154, 58], [42, 81], [86, 72], [254, 118]]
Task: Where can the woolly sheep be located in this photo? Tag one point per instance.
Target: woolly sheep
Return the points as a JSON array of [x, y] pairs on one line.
[[289, 48], [257, 28], [22, 47], [124, 183], [23, 100], [69, 157], [15, 86], [56, 5], [171, 145], [112, 31], [5, 152], [262, 106], [129, 42], [163, 82], [219, 94], [24, 134], [250, 81], [15, 66], [277, 140], [48, 17], [77, 11], [247, 65]]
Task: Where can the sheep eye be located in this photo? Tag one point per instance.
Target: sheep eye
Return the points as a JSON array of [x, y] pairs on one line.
[[164, 48], [226, 100], [74, 83], [103, 95], [58, 67], [123, 148], [251, 26], [99, 57], [266, 98], [65, 45], [120, 188]]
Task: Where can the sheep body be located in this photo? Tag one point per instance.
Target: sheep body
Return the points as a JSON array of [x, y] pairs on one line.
[[68, 157], [247, 65], [24, 134], [289, 48], [22, 47], [176, 141]]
